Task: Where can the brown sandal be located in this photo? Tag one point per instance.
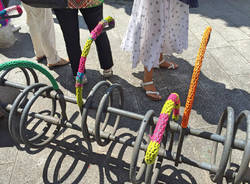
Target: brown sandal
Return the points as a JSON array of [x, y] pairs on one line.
[[61, 62]]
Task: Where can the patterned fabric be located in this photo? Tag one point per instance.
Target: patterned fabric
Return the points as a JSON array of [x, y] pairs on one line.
[[156, 26], [84, 3]]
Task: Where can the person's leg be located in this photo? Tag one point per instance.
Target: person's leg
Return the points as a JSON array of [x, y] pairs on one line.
[[148, 85], [68, 20], [48, 37], [42, 31], [34, 31], [92, 16]]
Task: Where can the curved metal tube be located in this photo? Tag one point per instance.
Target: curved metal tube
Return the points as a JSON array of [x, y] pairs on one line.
[[246, 155], [137, 178], [107, 96], [228, 117]]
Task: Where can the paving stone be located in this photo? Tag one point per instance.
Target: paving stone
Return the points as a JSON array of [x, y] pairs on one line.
[[242, 46], [6, 172], [231, 60]]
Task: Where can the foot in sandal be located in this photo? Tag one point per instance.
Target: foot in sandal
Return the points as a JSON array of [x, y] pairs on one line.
[[61, 62], [168, 65], [151, 91]]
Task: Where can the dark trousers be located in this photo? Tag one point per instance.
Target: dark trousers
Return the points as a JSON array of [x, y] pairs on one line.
[[68, 20], [5, 3]]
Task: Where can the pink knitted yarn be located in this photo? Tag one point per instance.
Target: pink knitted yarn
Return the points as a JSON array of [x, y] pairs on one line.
[[82, 64], [160, 128]]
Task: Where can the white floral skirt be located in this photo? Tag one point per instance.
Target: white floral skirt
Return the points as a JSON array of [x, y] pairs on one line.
[[158, 26]]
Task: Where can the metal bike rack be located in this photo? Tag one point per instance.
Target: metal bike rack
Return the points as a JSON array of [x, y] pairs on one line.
[[29, 94], [22, 105]]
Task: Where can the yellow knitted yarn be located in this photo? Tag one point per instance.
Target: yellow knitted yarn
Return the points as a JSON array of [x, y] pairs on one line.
[[152, 152], [86, 48], [173, 103]]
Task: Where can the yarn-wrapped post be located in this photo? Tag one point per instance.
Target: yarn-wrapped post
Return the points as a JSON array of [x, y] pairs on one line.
[[192, 90], [103, 25], [11, 12], [172, 104]]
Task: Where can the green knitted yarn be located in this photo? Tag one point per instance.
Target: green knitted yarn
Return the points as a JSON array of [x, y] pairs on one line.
[[29, 64]]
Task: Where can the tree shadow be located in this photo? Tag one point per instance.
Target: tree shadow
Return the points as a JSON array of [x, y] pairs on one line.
[[235, 14], [22, 48], [126, 4], [211, 97]]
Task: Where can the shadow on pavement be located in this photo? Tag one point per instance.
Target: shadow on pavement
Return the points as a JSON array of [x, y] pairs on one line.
[[76, 159], [22, 48], [210, 101]]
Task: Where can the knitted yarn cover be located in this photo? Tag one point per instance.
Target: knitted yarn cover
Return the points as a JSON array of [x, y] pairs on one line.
[[84, 3]]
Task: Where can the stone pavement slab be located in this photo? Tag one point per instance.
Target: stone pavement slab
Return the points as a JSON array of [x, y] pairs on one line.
[[224, 81]]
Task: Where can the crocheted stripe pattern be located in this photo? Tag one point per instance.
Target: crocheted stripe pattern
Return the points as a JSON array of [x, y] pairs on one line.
[[195, 77], [81, 69], [172, 104]]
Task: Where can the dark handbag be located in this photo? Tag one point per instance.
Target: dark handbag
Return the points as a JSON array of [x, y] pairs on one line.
[[47, 3], [191, 3]]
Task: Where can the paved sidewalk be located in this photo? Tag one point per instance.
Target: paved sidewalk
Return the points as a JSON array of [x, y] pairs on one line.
[[224, 81]]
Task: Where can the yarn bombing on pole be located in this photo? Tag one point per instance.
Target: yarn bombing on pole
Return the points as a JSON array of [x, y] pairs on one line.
[[7, 13], [102, 26], [11, 12], [3, 22], [172, 103]]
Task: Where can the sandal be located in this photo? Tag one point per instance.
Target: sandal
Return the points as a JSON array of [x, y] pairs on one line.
[[61, 62], [171, 65], [107, 73], [153, 95]]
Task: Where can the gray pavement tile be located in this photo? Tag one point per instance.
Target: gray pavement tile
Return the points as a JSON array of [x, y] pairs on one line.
[[7, 154], [243, 46], [6, 171], [35, 167], [242, 81], [231, 60], [228, 33], [213, 74], [217, 40]]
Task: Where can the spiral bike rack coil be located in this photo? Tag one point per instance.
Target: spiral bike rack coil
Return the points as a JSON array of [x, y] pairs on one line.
[[147, 172], [151, 172]]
